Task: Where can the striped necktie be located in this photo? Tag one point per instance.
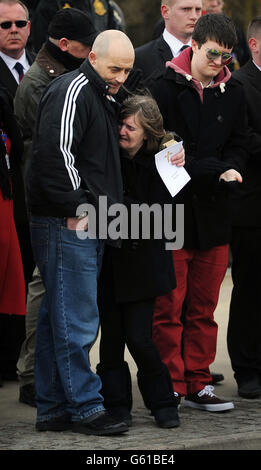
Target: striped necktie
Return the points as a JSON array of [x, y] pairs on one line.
[[20, 69]]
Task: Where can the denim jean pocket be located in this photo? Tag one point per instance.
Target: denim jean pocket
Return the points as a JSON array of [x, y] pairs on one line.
[[40, 241], [73, 236]]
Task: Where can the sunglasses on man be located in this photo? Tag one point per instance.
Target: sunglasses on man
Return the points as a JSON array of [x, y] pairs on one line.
[[213, 54], [18, 24]]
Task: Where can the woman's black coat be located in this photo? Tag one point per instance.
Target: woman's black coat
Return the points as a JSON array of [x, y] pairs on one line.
[[140, 269]]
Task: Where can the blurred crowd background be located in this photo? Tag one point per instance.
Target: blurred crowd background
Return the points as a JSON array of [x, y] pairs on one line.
[[141, 16]]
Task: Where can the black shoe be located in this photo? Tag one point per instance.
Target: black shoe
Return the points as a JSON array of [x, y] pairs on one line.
[[167, 417], [121, 413], [1, 382], [249, 388], [216, 378], [100, 424], [27, 394], [61, 423]]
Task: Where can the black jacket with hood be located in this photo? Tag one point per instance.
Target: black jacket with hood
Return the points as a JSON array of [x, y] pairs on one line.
[[212, 123]]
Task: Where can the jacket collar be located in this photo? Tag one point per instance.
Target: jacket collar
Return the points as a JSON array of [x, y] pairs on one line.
[[254, 73], [163, 49], [101, 86], [182, 66], [47, 62], [141, 158], [174, 43]]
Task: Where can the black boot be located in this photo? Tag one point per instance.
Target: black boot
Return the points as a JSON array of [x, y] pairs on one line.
[[121, 413], [27, 394], [117, 391], [167, 417], [158, 396]]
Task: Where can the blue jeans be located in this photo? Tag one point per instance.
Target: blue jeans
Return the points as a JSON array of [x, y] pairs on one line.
[[68, 320]]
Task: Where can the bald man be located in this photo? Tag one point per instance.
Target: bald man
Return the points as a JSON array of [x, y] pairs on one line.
[[75, 164]]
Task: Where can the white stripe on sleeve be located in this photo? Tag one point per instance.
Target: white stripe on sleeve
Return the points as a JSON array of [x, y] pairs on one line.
[[66, 135]]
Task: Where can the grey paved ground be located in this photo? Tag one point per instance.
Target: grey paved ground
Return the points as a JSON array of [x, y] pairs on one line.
[[239, 429]]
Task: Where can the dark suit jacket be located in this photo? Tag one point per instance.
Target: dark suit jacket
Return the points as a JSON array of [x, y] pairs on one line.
[[8, 82], [7, 79], [150, 60], [248, 203], [152, 57]]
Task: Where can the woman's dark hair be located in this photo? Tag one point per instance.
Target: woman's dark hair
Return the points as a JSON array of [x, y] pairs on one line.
[[150, 118], [216, 27]]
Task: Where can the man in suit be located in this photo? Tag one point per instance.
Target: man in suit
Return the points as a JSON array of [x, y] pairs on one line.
[[244, 329], [180, 17], [14, 63], [14, 33]]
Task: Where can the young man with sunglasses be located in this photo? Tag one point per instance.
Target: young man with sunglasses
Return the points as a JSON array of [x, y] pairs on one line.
[[240, 51], [206, 107]]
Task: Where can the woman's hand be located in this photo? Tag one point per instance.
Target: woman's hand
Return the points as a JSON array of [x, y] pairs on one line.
[[231, 175], [179, 158]]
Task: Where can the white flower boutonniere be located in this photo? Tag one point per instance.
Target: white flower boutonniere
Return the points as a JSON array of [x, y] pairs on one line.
[[188, 77], [222, 87]]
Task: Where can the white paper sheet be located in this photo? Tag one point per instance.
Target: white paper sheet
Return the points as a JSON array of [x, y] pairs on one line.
[[174, 178]]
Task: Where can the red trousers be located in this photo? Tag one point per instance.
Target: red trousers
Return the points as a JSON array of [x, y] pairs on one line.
[[12, 286], [184, 329]]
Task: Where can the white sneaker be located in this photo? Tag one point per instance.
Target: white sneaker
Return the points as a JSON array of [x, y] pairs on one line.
[[207, 400]]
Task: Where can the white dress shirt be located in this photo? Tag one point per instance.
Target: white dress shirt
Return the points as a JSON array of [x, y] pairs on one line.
[[259, 68], [174, 43]]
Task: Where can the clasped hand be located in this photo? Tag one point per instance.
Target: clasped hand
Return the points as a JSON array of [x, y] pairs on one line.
[[231, 175]]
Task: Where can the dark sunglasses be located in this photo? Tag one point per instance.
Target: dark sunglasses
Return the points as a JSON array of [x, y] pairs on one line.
[[18, 24], [213, 54]]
